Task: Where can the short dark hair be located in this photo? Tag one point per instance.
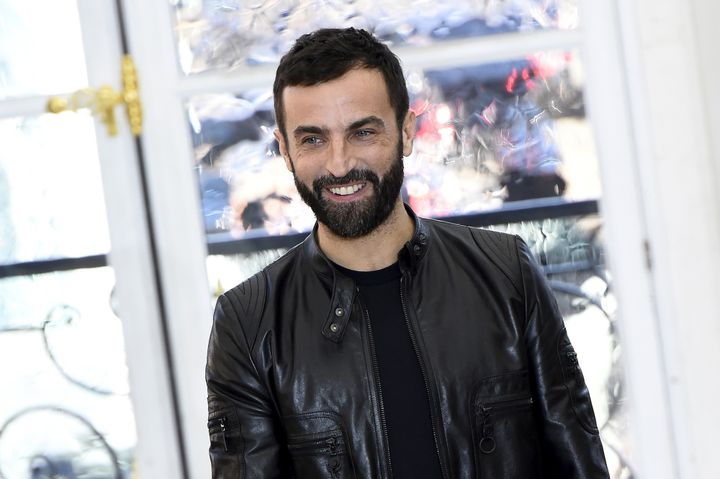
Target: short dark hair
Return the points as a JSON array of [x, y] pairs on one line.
[[329, 53]]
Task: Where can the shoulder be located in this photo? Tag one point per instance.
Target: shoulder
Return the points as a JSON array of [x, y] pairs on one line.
[[246, 302], [501, 246], [501, 251]]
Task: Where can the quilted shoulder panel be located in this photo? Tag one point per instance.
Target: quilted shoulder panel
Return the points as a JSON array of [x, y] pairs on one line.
[[501, 250], [248, 301]]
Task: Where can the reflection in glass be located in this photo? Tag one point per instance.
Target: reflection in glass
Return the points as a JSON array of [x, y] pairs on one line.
[[51, 198], [505, 131], [571, 252], [65, 404], [487, 134], [214, 34], [69, 447], [41, 50]]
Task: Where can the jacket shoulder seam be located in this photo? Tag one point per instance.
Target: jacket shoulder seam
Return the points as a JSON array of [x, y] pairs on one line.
[[528, 312], [247, 300], [497, 246]]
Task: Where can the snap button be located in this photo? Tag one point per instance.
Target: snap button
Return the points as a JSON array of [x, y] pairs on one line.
[[416, 248], [339, 312], [334, 327], [421, 236]]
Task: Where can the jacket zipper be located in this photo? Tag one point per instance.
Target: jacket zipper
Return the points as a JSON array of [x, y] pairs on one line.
[[376, 375], [508, 403], [219, 424], [328, 445], [413, 340], [487, 428]]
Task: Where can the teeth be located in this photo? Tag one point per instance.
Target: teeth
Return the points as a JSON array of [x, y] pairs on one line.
[[347, 190]]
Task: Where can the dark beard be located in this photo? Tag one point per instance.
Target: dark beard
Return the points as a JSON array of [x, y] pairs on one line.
[[356, 219]]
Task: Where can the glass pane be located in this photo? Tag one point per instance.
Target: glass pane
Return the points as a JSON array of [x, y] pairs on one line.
[[571, 252], [487, 134], [65, 409], [499, 132], [51, 199], [41, 50], [214, 34]]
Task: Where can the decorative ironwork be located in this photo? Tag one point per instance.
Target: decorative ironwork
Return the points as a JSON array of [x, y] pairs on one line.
[[50, 462]]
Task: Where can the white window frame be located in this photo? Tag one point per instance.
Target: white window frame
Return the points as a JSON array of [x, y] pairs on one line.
[[131, 253]]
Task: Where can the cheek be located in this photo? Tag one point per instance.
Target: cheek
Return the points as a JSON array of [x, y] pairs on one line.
[[307, 168]]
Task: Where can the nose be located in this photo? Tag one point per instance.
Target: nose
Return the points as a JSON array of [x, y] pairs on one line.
[[340, 160]]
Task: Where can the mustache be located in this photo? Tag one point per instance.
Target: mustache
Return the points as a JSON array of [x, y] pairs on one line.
[[328, 181]]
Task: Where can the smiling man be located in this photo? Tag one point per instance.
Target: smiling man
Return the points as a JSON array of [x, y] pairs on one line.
[[386, 345]]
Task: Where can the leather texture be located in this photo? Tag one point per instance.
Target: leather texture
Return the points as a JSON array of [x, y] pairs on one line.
[[292, 386]]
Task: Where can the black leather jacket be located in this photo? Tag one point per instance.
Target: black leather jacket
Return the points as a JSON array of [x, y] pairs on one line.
[[293, 390]]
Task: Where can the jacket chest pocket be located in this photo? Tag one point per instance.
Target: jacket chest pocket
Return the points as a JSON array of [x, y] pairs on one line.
[[505, 435], [317, 446]]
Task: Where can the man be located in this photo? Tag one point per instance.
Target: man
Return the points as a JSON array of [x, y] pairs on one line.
[[385, 345]]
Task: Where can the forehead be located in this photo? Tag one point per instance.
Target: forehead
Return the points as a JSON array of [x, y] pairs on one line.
[[358, 93]]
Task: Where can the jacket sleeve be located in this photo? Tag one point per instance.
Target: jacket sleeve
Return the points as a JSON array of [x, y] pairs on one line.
[[571, 444], [244, 432]]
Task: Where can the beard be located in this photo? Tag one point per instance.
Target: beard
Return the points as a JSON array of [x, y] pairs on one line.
[[357, 218]]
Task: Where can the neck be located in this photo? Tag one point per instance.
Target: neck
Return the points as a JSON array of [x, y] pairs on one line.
[[374, 251]]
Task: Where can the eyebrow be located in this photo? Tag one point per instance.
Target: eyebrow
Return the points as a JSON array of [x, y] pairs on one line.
[[316, 130], [365, 121], [304, 129]]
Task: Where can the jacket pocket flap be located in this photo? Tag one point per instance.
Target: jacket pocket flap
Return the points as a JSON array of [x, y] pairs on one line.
[[311, 425]]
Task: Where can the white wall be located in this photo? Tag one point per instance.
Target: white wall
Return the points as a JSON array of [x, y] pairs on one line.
[[672, 64]]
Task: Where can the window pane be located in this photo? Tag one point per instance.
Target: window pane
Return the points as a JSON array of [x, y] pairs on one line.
[[487, 134], [41, 50], [65, 404], [215, 34], [51, 199], [499, 132]]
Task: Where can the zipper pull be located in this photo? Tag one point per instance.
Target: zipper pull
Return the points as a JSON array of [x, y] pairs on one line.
[[332, 444], [222, 433], [573, 359], [487, 441], [334, 467]]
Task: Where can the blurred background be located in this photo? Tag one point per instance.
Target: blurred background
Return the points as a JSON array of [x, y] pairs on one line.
[[139, 179]]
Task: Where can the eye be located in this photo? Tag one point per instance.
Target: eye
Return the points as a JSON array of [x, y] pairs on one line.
[[362, 134], [311, 140]]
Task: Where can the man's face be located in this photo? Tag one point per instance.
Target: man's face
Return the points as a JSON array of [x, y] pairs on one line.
[[345, 150]]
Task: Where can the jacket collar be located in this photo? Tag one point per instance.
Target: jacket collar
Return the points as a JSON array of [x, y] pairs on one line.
[[344, 290], [409, 256]]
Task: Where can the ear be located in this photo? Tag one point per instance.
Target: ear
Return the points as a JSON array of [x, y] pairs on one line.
[[283, 149], [408, 132]]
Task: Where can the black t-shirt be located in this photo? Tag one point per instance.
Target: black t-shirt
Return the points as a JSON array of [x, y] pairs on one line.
[[404, 395]]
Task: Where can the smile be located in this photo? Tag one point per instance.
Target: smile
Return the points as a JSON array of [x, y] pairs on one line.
[[347, 190]]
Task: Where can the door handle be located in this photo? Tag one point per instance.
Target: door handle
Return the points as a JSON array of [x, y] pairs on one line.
[[103, 100]]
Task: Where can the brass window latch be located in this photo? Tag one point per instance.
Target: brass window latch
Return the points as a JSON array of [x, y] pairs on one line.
[[102, 101]]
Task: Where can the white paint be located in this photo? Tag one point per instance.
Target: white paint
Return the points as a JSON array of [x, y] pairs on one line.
[[177, 211], [130, 257], [25, 106], [607, 97]]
